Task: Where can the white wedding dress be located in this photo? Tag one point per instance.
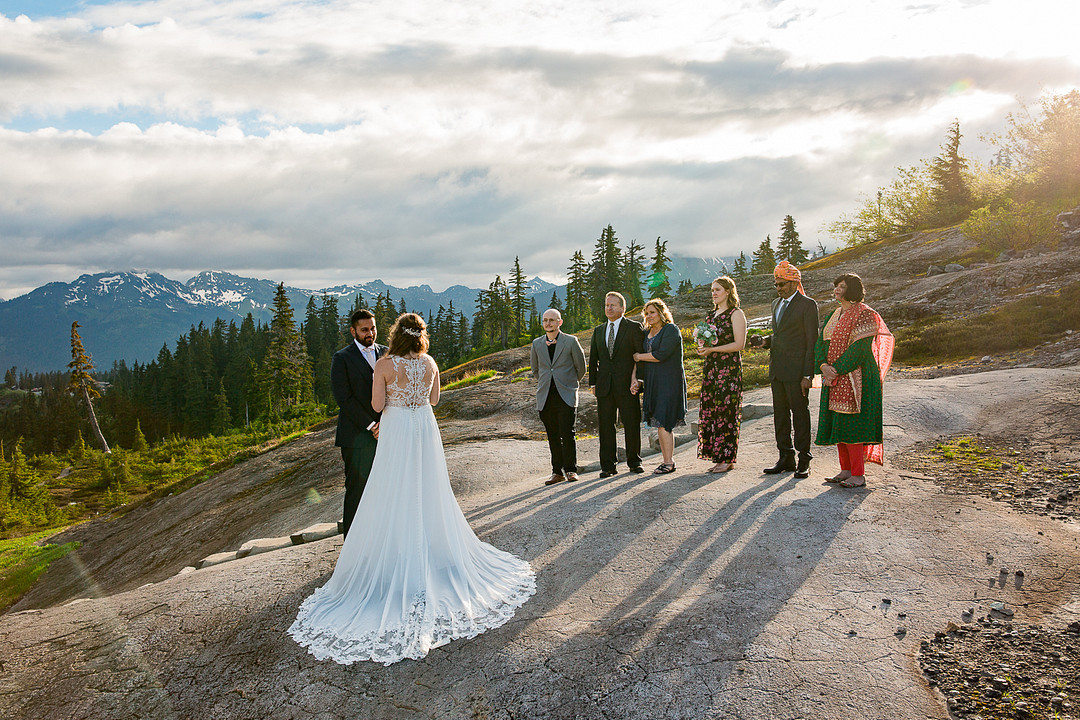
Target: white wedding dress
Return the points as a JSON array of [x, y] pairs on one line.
[[412, 575]]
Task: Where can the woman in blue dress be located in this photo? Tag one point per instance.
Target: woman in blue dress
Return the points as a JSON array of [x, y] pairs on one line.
[[661, 372]]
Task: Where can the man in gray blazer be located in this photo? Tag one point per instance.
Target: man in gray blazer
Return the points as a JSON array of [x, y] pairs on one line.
[[558, 364]]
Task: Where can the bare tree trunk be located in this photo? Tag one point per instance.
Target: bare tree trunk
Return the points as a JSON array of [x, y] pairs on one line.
[[94, 423]]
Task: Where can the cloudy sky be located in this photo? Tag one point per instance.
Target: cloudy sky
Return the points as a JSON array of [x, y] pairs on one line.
[[432, 141]]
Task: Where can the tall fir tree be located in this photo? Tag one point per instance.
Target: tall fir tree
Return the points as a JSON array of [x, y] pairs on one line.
[[659, 285], [788, 247], [764, 259], [578, 294], [518, 299], [741, 269], [948, 179], [633, 274], [607, 269], [555, 303], [286, 371], [82, 384]]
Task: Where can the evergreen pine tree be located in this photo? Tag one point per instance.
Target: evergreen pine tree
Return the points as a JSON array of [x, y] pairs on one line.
[[222, 419], [789, 248], [634, 272], [140, 444], [578, 289], [764, 259], [948, 179], [555, 303], [607, 270], [658, 284], [518, 299], [740, 270], [285, 371], [83, 385]]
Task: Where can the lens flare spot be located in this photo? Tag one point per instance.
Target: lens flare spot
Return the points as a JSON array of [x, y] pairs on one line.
[[961, 86]]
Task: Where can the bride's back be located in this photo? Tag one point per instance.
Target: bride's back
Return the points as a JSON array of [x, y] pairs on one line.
[[410, 384]]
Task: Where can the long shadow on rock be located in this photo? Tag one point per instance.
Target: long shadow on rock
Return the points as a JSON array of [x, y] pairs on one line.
[[679, 633]]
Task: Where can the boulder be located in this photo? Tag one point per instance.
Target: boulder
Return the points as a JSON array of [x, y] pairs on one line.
[[261, 545], [953, 267], [933, 270], [315, 532], [216, 559]]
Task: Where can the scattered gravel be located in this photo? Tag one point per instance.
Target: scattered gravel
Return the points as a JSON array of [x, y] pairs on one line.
[[992, 668]]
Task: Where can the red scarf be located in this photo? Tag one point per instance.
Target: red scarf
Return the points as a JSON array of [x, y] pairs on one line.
[[844, 328]]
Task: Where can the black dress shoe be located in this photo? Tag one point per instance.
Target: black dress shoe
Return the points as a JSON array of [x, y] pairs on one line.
[[606, 473], [803, 470], [637, 469], [780, 467]]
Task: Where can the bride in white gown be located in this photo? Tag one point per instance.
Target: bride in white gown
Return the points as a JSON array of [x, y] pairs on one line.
[[411, 575]]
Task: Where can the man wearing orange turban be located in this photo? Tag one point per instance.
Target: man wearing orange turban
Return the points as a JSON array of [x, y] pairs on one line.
[[791, 368]]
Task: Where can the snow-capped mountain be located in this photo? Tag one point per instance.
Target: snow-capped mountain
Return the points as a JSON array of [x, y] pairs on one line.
[[130, 315]]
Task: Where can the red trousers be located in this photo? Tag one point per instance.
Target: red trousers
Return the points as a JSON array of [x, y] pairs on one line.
[[852, 457]]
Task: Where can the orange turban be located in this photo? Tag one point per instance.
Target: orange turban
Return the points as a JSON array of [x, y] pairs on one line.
[[787, 271]]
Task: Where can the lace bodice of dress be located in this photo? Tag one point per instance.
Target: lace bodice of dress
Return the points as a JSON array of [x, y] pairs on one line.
[[411, 386]]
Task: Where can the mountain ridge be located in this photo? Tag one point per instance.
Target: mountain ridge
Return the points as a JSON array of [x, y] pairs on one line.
[[128, 315]]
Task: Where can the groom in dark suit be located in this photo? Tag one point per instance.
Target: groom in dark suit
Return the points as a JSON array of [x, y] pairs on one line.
[[351, 374], [611, 363], [791, 368]]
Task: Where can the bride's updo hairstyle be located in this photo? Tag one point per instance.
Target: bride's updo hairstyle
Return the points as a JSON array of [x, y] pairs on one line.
[[409, 334]]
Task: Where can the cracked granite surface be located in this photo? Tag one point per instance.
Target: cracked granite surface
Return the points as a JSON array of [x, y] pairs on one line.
[[680, 596]]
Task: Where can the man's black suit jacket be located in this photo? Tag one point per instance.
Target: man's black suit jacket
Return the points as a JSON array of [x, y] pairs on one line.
[[613, 373], [791, 346], [350, 381]]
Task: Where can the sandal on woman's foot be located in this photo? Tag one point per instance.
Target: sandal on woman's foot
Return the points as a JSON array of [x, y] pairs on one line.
[[664, 469], [839, 477], [853, 481], [722, 467]]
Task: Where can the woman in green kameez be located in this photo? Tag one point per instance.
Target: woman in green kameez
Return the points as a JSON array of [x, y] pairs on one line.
[[853, 351]]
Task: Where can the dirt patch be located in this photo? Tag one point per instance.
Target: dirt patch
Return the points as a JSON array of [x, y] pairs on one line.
[[1025, 473], [993, 668]]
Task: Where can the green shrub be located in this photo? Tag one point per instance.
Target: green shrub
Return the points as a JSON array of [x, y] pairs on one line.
[[1012, 226]]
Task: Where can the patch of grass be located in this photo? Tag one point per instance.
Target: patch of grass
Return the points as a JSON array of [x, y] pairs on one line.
[[1018, 325], [22, 560], [472, 379], [969, 453]]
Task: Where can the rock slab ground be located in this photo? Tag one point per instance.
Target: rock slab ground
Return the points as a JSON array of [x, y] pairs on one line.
[[680, 596]]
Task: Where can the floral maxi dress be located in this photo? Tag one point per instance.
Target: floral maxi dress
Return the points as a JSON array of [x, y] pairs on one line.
[[721, 396]]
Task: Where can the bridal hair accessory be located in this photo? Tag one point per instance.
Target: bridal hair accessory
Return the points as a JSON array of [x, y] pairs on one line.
[[411, 331]]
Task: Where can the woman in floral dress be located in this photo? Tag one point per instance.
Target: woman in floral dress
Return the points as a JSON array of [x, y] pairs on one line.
[[721, 378]]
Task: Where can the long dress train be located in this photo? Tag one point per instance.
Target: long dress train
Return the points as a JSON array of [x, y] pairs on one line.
[[411, 575]]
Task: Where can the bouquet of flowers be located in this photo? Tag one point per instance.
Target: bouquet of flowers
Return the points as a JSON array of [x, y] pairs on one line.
[[705, 334]]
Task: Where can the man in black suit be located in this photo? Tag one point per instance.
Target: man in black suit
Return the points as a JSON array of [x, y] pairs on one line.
[[791, 368], [611, 363], [351, 373]]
